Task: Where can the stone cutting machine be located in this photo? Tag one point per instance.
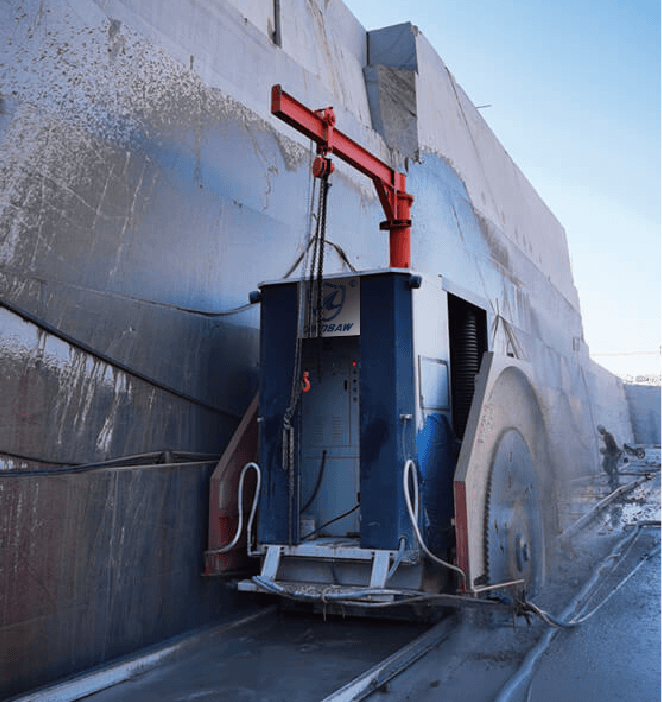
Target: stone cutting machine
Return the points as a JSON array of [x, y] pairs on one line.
[[374, 484]]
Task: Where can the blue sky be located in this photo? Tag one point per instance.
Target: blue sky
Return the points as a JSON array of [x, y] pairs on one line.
[[575, 94]]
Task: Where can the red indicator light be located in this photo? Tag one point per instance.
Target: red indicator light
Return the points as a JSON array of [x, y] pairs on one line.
[[354, 364]]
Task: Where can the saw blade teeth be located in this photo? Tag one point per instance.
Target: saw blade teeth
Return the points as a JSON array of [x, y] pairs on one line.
[[487, 526], [512, 525]]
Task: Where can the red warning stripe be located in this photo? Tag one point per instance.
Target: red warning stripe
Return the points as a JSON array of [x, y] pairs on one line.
[[461, 527]]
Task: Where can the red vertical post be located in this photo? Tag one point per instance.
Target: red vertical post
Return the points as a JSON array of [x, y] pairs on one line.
[[400, 227], [400, 247], [224, 499], [461, 529]]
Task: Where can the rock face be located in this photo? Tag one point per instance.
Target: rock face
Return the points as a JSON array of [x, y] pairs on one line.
[[644, 404], [144, 192]]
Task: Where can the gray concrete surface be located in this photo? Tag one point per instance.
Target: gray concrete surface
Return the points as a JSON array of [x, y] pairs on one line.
[[280, 657], [615, 655]]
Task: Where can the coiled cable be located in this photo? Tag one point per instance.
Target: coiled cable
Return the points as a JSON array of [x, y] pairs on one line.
[[249, 528], [413, 516]]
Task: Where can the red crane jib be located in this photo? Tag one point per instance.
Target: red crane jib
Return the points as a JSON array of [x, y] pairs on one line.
[[319, 126]]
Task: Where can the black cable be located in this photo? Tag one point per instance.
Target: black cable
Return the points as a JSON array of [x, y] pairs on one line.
[[324, 193], [140, 460], [342, 255], [331, 521], [299, 258], [336, 247], [322, 236], [313, 267], [34, 459], [141, 300], [320, 474], [58, 333], [316, 266]]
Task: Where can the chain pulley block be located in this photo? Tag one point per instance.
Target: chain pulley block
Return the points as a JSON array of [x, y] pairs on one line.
[[323, 167]]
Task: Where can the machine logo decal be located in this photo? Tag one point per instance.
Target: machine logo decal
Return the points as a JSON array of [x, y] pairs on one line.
[[333, 301], [341, 308]]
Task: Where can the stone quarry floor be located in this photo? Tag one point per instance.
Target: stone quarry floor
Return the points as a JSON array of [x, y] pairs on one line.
[[610, 565]]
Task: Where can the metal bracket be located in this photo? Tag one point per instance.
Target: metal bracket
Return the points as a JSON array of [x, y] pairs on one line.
[[271, 563], [380, 567]]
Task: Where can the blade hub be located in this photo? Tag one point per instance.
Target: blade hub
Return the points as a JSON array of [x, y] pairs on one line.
[[513, 531]]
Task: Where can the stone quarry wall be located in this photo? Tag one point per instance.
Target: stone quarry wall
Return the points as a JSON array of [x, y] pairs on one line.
[[610, 407], [644, 404], [98, 564]]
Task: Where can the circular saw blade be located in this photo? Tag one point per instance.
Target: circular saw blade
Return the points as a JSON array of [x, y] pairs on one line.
[[513, 522]]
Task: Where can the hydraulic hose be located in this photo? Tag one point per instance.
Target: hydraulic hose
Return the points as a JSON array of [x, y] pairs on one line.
[[249, 529], [576, 621], [408, 474]]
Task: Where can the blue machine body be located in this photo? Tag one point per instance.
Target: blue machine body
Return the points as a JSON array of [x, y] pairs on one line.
[[380, 394]]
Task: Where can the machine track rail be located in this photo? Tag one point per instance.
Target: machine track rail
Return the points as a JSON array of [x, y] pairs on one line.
[[266, 656]]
